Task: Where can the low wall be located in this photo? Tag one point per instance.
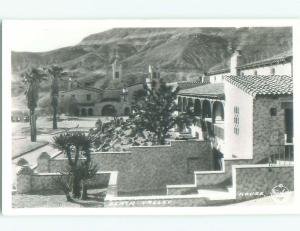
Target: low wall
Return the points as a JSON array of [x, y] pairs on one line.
[[215, 178], [181, 189], [147, 168], [254, 181], [31, 182]]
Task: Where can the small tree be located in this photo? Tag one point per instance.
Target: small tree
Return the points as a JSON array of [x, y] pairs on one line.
[[155, 111], [32, 79], [76, 145], [56, 73], [63, 182]]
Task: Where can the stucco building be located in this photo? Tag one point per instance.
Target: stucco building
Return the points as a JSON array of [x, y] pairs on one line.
[[83, 100], [246, 109]]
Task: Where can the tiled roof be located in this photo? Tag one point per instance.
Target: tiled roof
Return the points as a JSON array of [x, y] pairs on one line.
[[263, 84], [213, 90], [224, 67], [279, 58], [188, 84]]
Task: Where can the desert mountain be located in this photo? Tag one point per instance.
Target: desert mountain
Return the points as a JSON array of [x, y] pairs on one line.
[[181, 53]]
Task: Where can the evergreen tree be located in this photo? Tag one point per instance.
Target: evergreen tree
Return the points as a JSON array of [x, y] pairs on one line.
[[156, 111]]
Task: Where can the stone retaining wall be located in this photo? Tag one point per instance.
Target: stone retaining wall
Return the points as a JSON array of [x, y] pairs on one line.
[[215, 178], [30, 182], [147, 168], [261, 180]]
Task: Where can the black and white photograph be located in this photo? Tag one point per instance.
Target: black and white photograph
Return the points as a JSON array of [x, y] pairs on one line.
[[148, 114]]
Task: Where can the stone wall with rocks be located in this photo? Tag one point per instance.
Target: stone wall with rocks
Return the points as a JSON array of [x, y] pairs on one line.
[[261, 180], [268, 130], [150, 168], [216, 178], [31, 182]]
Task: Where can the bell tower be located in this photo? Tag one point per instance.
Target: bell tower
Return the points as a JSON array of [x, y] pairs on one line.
[[116, 67], [153, 76]]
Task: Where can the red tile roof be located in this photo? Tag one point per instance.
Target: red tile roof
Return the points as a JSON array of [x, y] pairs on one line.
[[215, 90], [263, 84], [279, 58], [224, 67]]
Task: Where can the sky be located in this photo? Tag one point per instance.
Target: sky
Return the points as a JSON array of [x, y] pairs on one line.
[[36, 36]]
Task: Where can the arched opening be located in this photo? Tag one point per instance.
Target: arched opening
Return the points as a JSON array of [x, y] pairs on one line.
[[179, 104], [90, 112], [127, 111], [206, 109], [109, 110], [184, 104], [218, 112], [197, 108], [83, 112], [190, 105]]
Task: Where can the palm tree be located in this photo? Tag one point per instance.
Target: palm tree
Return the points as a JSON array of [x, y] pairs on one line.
[[32, 79], [56, 73]]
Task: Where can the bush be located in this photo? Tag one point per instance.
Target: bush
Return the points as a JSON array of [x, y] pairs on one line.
[[22, 162]]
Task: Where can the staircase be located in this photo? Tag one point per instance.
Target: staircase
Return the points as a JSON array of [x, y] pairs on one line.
[[218, 185], [213, 185]]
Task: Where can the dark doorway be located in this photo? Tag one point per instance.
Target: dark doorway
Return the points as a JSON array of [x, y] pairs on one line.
[[206, 109], [90, 112], [83, 112], [218, 159], [109, 110], [288, 116]]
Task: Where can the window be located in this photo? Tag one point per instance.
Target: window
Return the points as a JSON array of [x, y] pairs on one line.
[[273, 111], [272, 71], [236, 120], [116, 74], [88, 97]]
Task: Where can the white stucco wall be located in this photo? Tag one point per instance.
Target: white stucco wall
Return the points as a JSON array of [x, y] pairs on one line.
[[218, 78], [238, 146], [280, 69]]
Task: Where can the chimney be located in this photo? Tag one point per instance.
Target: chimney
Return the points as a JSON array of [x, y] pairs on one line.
[[235, 61], [69, 84]]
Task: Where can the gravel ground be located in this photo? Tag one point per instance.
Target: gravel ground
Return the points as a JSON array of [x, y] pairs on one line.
[[95, 200]]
